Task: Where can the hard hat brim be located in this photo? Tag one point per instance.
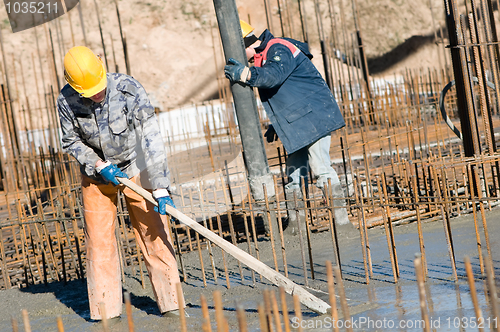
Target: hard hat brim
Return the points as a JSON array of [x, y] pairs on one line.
[[96, 89], [246, 28]]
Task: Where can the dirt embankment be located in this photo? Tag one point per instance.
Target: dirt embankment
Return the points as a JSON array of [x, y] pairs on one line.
[[174, 45]]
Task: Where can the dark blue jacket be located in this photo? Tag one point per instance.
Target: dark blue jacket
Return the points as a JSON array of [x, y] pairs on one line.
[[296, 98]]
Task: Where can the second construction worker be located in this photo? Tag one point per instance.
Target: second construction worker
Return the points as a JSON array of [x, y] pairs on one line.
[[302, 110], [110, 128]]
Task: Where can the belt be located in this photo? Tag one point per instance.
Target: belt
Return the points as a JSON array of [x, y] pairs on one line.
[[123, 164]]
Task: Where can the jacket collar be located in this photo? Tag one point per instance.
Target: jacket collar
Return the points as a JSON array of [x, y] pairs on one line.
[[265, 37]]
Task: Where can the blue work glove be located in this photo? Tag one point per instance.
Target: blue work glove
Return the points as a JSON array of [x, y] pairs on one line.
[[271, 134], [162, 197], [236, 71], [110, 172]]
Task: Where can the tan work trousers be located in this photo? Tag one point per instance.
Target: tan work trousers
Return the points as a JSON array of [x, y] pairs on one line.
[[103, 264]]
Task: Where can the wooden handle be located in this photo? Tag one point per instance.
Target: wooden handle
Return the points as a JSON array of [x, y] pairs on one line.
[[306, 298]]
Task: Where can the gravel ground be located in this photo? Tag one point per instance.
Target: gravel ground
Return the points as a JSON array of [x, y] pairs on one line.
[[381, 299]]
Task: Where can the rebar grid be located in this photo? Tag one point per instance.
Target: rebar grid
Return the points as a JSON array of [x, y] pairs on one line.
[[398, 160]]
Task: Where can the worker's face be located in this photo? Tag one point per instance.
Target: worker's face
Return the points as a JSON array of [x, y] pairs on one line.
[[250, 53], [98, 97], [250, 50]]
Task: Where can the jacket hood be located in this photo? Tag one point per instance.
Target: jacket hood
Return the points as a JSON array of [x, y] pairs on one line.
[[266, 36]]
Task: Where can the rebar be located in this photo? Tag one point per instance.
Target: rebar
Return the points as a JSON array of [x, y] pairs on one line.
[[399, 162]]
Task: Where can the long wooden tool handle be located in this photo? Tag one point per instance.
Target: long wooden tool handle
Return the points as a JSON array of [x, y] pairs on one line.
[[306, 298]]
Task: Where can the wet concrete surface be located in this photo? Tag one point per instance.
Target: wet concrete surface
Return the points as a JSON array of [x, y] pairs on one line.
[[380, 306]]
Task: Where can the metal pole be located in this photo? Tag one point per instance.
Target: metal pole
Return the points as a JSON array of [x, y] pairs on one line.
[[326, 61], [363, 60], [102, 37], [268, 16], [303, 22], [244, 102], [14, 138], [464, 98], [124, 40], [82, 23]]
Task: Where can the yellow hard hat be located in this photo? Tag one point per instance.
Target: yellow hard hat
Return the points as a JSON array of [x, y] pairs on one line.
[[84, 71], [247, 33], [246, 28]]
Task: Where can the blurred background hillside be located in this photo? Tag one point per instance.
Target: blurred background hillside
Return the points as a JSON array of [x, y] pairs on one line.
[[175, 51]]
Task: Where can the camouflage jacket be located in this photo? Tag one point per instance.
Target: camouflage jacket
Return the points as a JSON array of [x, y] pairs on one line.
[[122, 129]]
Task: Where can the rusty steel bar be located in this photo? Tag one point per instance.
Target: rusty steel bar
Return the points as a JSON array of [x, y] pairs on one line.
[[280, 226], [331, 293], [333, 226], [472, 291], [361, 233], [421, 292], [301, 241], [387, 232]]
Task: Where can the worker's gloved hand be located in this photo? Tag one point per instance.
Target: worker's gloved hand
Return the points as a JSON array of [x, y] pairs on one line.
[[271, 134], [235, 71], [163, 198], [110, 172]]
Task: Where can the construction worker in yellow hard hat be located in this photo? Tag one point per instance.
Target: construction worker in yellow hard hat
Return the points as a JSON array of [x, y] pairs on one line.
[[110, 128], [247, 33], [249, 39]]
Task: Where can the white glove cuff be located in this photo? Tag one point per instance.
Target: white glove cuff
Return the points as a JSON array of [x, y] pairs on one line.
[[160, 193], [103, 166], [244, 74]]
